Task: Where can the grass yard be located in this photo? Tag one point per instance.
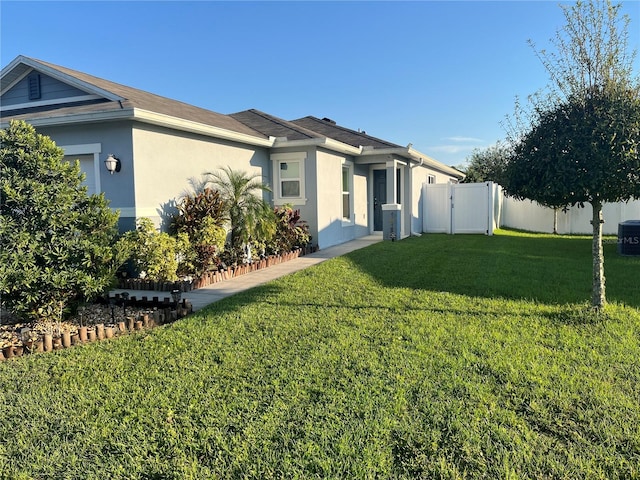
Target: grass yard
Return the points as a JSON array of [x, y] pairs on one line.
[[439, 357]]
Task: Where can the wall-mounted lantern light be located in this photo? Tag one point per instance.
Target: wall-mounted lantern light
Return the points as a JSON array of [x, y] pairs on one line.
[[176, 295], [112, 163]]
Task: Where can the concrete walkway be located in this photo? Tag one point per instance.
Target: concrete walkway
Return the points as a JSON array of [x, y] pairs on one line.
[[204, 296]]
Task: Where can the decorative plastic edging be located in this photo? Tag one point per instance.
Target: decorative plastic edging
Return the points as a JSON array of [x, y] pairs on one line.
[[212, 277], [48, 342]]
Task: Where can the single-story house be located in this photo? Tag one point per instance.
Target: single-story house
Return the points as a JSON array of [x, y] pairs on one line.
[[339, 178]]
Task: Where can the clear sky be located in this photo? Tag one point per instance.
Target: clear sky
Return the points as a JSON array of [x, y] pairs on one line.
[[442, 75]]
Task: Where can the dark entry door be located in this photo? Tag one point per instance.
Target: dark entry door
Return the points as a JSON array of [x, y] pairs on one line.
[[379, 197]]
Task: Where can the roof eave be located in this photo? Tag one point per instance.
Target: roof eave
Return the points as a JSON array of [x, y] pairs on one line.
[[327, 143], [153, 118], [104, 116], [416, 156], [200, 128], [430, 162]]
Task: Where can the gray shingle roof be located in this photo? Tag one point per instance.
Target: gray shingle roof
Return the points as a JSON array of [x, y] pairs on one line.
[[274, 126], [134, 98], [345, 135], [250, 122]]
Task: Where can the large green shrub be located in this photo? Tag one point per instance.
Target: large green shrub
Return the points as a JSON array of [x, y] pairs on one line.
[[201, 217], [291, 230], [156, 255], [58, 243]]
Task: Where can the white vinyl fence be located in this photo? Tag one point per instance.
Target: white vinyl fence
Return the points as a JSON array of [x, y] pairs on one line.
[[481, 207], [460, 208], [528, 215]]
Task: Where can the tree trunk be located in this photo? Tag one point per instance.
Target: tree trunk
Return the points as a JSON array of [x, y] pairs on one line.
[[598, 298], [555, 221]]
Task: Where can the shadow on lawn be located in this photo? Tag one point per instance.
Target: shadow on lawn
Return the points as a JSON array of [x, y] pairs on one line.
[[554, 270]]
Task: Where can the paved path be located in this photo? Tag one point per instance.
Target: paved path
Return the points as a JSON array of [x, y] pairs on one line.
[[204, 296]]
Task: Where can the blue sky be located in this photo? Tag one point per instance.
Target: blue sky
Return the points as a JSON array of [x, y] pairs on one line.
[[442, 75]]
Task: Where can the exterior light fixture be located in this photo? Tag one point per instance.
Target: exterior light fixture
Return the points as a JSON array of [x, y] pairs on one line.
[[112, 305], [176, 295], [112, 163], [125, 297]]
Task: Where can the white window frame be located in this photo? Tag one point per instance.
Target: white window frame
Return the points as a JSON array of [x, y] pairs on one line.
[[349, 168], [87, 149], [277, 160], [431, 179]]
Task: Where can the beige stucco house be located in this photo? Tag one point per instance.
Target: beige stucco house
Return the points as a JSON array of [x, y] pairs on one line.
[[339, 178]]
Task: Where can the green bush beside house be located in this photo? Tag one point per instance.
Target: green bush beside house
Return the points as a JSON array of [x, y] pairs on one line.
[[58, 244]]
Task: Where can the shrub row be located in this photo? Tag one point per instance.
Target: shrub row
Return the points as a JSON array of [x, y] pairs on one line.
[[215, 276]]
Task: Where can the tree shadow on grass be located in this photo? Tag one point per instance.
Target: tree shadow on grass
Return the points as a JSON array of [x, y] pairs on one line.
[[544, 268]]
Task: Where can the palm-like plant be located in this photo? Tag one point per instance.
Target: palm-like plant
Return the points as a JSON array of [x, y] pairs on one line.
[[251, 218]]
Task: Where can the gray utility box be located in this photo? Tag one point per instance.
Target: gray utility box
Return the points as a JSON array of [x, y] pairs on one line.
[[391, 221], [629, 237]]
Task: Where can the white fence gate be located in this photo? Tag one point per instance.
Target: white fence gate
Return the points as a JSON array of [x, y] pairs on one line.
[[460, 208]]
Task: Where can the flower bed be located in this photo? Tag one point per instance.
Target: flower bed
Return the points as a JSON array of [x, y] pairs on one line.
[[214, 276]]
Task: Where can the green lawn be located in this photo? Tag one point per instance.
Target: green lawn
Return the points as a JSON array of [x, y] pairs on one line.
[[435, 357]]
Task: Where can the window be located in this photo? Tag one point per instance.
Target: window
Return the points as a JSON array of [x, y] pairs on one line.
[[346, 193], [288, 179], [89, 157], [431, 179], [87, 165]]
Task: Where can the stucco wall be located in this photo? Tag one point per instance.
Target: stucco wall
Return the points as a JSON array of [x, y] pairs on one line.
[[165, 160], [419, 176], [113, 138], [361, 200], [329, 179], [308, 207], [440, 177]]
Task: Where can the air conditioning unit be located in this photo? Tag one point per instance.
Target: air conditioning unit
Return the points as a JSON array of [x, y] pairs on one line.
[[629, 237]]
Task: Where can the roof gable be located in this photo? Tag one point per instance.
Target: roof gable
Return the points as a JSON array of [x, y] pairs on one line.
[[114, 98], [37, 87]]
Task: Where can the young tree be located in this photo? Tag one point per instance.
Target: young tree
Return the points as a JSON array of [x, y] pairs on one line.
[[251, 218], [58, 243], [580, 142]]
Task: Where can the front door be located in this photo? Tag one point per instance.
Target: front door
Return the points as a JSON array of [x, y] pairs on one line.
[[379, 197]]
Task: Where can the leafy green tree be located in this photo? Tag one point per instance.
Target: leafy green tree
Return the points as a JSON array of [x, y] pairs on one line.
[[580, 142], [487, 165], [58, 244], [249, 216]]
